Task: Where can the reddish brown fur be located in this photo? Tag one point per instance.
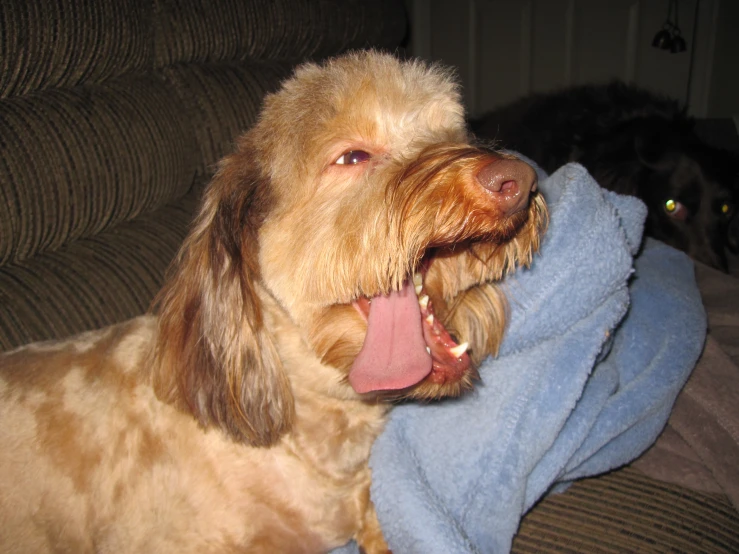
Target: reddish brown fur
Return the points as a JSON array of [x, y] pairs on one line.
[[211, 319]]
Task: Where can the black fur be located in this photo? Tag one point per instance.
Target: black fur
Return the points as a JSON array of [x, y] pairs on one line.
[[633, 142]]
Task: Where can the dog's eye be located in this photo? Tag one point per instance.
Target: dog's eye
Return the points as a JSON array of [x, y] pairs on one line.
[[727, 209], [353, 157], [676, 210]]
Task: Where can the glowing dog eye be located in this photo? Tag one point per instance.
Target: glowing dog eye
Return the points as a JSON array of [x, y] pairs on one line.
[[353, 157], [726, 208], [675, 209]]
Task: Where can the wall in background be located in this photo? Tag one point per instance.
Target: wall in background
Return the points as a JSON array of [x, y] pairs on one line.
[[724, 89], [504, 49]]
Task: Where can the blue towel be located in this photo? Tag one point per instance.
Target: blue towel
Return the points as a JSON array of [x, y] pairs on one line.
[[597, 348]]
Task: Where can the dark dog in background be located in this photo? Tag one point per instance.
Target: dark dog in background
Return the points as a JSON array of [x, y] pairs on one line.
[[633, 142]]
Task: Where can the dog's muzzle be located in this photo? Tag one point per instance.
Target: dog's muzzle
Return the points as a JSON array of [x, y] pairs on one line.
[[461, 195], [510, 182]]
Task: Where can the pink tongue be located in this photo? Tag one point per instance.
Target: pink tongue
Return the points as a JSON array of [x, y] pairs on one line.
[[394, 353]]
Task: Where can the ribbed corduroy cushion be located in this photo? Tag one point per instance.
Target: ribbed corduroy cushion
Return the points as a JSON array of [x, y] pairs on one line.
[[624, 512], [208, 30], [118, 197], [64, 43], [76, 161], [91, 282]]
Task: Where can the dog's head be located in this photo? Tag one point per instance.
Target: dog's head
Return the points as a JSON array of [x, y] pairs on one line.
[[691, 189], [358, 209]]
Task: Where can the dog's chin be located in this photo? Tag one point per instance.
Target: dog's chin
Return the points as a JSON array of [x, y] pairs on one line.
[[440, 383]]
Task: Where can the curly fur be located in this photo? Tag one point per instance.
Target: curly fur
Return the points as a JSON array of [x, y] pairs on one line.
[[224, 421]]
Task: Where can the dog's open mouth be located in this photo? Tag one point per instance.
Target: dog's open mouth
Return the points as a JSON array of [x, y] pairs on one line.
[[405, 343]]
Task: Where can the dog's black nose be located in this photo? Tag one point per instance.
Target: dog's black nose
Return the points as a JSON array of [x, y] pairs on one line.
[[509, 181]]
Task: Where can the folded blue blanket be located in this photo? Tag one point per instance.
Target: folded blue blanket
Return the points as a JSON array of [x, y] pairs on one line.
[[597, 348]]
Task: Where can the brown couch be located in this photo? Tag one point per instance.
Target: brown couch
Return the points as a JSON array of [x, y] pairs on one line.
[[112, 114]]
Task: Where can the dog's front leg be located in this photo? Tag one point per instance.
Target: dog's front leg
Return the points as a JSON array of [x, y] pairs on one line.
[[369, 535]]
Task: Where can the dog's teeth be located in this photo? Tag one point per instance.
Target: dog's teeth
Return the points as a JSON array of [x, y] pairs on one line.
[[418, 282], [428, 350], [424, 301], [458, 350], [430, 319]]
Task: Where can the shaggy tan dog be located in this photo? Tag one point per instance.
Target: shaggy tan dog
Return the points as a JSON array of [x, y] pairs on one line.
[[344, 254]]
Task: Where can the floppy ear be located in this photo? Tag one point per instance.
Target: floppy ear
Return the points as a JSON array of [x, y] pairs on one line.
[[214, 356]]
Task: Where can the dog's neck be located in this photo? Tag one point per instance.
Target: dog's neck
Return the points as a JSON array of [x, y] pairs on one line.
[[325, 405], [348, 428]]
